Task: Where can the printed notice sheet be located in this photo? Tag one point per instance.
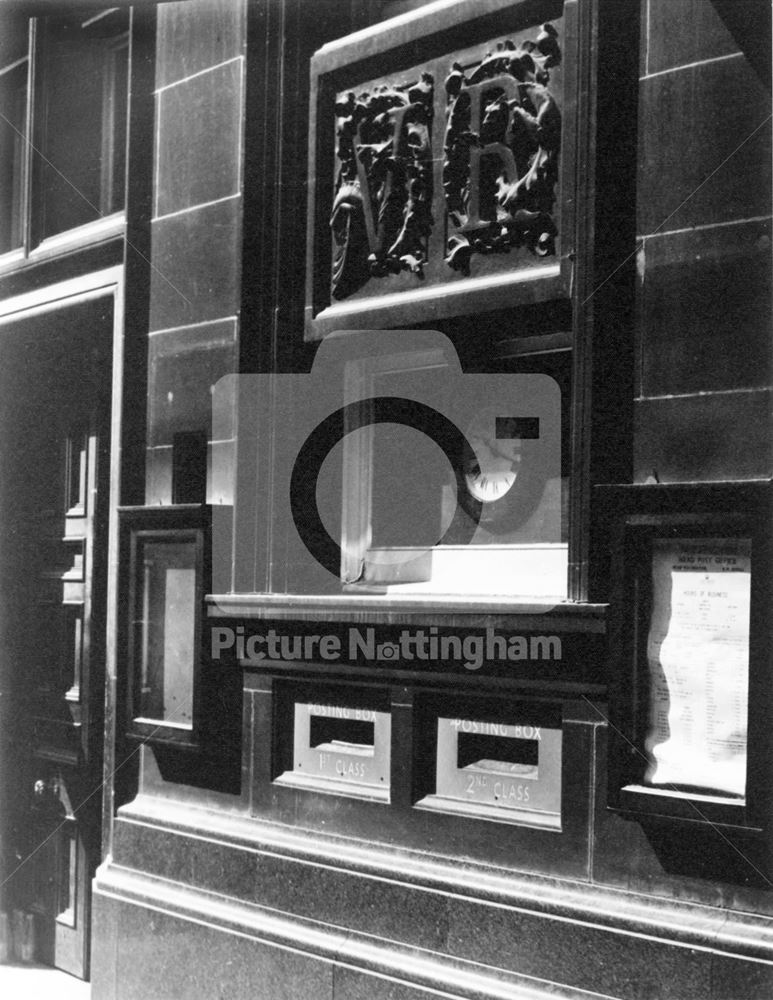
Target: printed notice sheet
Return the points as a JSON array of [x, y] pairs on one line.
[[698, 656]]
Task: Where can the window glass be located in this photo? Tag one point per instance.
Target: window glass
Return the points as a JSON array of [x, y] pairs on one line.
[[427, 510], [391, 8], [168, 632], [82, 118], [13, 117]]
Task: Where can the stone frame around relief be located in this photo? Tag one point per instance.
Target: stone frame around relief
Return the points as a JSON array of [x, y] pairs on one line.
[[442, 165]]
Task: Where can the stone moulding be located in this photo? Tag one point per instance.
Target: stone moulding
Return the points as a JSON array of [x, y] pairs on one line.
[[623, 925]]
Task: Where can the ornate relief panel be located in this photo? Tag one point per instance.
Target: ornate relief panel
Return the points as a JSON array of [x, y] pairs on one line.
[[442, 185]]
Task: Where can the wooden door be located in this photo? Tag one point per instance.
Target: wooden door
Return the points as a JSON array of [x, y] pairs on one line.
[[53, 503]]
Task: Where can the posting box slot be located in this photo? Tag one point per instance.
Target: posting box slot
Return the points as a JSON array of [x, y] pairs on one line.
[[500, 755], [349, 735]]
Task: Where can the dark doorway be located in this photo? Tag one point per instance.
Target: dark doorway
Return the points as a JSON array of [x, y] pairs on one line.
[[55, 378]]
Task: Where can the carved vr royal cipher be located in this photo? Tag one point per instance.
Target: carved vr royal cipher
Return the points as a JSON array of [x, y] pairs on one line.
[[488, 133]]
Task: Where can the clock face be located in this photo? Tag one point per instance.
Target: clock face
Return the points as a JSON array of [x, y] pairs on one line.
[[491, 468], [491, 485], [499, 480]]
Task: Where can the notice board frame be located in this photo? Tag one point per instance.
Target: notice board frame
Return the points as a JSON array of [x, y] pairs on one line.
[[163, 525], [632, 517]]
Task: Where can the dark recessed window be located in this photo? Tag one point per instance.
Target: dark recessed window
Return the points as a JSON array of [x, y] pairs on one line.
[[14, 64], [391, 8], [81, 112]]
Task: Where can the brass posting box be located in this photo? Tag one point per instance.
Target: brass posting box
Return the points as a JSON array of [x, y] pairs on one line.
[[510, 772], [341, 748]]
